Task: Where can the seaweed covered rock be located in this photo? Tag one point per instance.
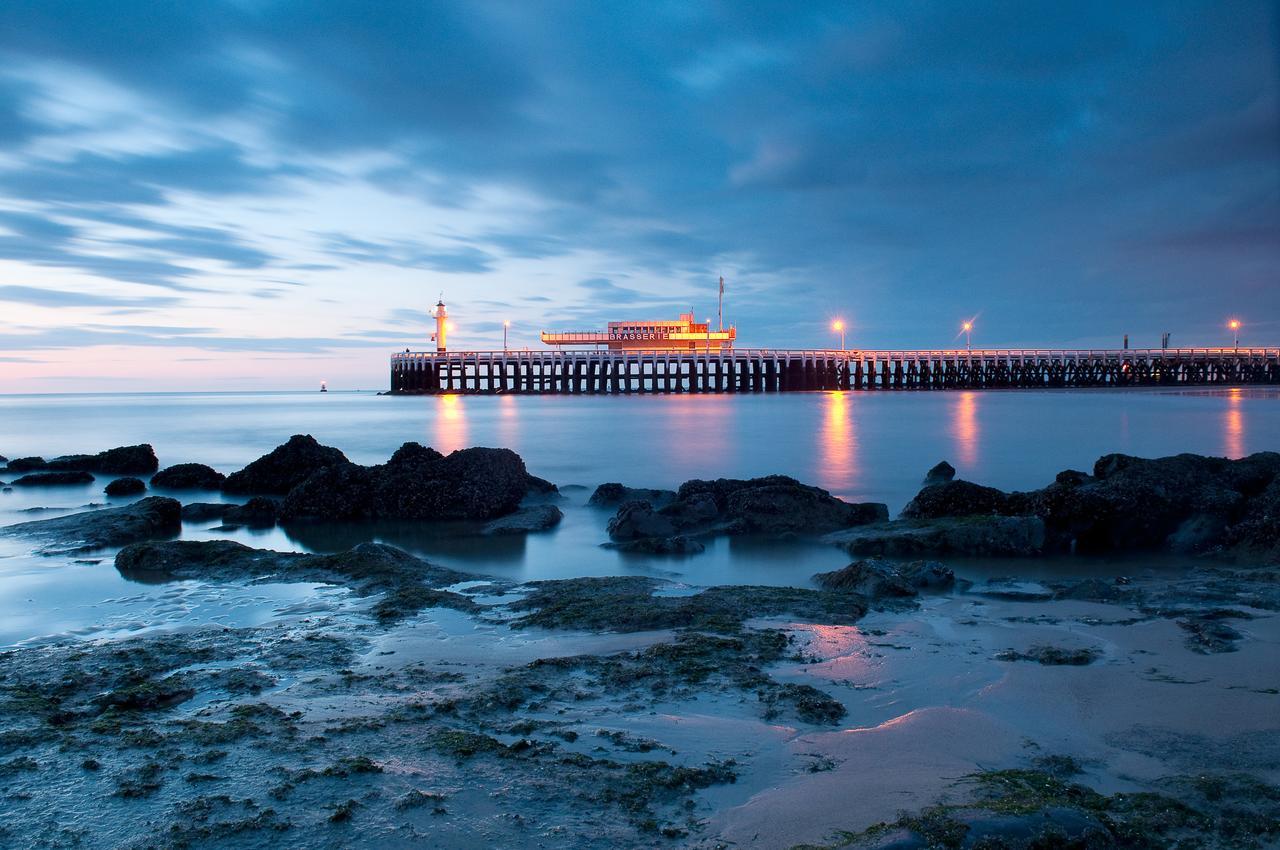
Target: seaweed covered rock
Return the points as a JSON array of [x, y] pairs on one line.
[[188, 476], [53, 479], [125, 487], [526, 520], [284, 467], [612, 494], [955, 498], [877, 579], [343, 491], [123, 460], [476, 483], [146, 519], [772, 504]]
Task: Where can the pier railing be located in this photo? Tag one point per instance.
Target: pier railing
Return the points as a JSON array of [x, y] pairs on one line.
[[786, 370]]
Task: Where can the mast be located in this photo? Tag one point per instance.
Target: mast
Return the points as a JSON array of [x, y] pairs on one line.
[[720, 305]]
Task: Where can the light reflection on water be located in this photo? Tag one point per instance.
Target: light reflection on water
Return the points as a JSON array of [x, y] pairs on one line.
[[1233, 425]]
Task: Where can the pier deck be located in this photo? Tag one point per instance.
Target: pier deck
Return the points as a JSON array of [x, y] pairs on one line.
[[749, 370]]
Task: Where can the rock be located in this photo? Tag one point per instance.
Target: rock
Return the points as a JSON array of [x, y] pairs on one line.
[[341, 492], [283, 468], [1095, 590], [123, 460], [51, 479], [773, 504], [1052, 656], [475, 483], [125, 487], [26, 464], [409, 583], [940, 474], [878, 579], [188, 476], [955, 499], [613, 493], [1258, 530], [205, 511], [1207, 633], [525, 520], [637, 520], [155, 516], [677, 545], [984, 536], [1072, 478], [540, 486], [258, 512]]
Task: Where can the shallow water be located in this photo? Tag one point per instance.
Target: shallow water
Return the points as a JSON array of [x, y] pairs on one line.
[[861, 446]]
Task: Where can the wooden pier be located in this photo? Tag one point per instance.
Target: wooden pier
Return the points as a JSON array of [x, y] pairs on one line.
[[758, 370]]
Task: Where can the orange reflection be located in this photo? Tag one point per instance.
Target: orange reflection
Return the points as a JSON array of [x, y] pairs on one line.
[[451, 424], [964, 428], [839, 447], [1233, 424]]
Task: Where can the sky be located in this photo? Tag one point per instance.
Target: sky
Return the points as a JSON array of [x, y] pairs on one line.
[[264, 194]]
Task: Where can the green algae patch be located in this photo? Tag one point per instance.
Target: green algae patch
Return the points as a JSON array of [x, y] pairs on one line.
[[628, 604]]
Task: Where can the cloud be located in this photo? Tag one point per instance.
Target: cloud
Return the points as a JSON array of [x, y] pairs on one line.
[[58, 298], [409, 254]]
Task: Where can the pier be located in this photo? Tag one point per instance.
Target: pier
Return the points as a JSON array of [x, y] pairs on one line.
[[755, 370]]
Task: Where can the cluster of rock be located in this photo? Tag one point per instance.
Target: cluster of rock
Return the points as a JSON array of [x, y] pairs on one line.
[[1185, 503], [79, 469], [670, 522]]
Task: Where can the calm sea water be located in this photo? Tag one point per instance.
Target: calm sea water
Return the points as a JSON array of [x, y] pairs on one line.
[[860, 446]]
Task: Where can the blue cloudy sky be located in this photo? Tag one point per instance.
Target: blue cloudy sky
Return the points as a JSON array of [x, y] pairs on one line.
[[262, 193]]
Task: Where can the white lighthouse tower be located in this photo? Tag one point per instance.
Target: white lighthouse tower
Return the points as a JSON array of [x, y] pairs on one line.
[[442, 324]]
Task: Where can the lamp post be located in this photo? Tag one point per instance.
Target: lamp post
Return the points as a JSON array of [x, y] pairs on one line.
[[968, 336], [708, 334], [838, 327], [1234, 325], [505, 324]]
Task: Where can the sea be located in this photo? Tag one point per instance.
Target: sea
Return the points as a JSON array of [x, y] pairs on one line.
[[861, 446]]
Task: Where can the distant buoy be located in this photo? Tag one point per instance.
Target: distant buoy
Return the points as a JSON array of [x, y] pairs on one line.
[[324, 387]]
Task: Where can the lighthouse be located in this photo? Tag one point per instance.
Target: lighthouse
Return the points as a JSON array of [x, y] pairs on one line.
[[442, 316]]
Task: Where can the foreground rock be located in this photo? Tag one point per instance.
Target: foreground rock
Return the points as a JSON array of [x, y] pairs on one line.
[[877, 579], [772, 505], [971, 536], [417, 483], [52, 479], [188, 476], [1185, 503], [124, 460], [409, 584], [147, 519], [525, 520], [285, 467], [125, 487]]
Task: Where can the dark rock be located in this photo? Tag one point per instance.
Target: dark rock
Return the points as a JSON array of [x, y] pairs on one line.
[[27, 464], [955, 499], [540, 486], [637, 520], [678, 545], [1053, 656], [146, 519], [1072, 478], [775, 504], [1096, 590], [980, 536], [878, 579], [525, 520], [1207, 633], [1258, 530], [283, 468], [341, 492], [205, 511], [475, 483], [613, 493], [409, 583], [258, 512], [940, 474], [123, 460], [50, 479], [125, 487], [188, 476]]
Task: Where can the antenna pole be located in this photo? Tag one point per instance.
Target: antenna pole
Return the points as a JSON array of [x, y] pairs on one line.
[[720, 305]]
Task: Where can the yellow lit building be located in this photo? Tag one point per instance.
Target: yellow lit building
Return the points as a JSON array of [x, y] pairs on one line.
[[658, 334]]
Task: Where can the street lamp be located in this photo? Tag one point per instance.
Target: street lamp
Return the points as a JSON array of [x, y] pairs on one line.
[[708, 334], [838, 327], [505, 324], [1234, 324], [967, 327]]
